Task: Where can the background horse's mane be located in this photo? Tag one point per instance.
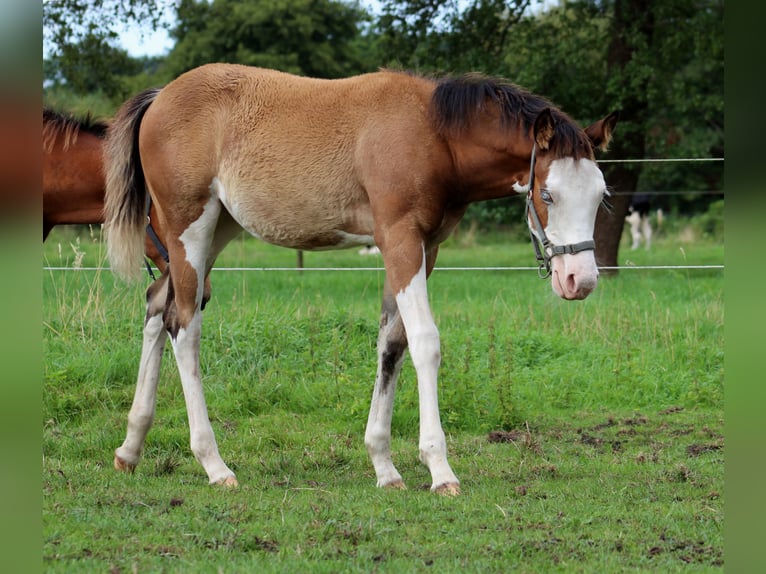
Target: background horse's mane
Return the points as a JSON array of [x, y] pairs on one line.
[[457, 100], [57, 124]]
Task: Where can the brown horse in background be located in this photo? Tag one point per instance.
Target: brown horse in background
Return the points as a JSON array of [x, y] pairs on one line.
[[387, 158], [73, 171], [74, 179]]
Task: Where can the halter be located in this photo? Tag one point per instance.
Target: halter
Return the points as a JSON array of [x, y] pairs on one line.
[[544, 249]]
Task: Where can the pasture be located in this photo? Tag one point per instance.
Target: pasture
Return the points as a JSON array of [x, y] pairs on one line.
[[588, 436]]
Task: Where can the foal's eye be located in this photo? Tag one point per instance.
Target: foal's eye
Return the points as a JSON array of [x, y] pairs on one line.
[[545, 195]]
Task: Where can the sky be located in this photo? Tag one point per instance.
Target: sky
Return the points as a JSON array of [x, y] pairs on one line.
[[140, 42], [143, 41]]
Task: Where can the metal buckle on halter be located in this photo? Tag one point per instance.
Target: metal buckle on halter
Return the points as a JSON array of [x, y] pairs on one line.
[[544, 251]]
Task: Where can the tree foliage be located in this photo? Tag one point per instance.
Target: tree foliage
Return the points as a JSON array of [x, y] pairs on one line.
[[452, 35], [80, 41], [660, 63], [310, 37], [66, 23], [92, 65]]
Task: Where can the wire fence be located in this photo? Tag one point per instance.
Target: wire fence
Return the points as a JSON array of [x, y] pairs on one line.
[[700, 192], [381, 269], [301, 268], [668, 160], [663, 160]]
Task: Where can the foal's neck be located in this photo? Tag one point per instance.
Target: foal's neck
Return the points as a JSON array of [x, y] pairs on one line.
[[488, 161]]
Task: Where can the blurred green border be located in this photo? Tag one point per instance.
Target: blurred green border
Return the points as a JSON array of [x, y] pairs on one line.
[[745, 346], [21, 49], [21, 292]]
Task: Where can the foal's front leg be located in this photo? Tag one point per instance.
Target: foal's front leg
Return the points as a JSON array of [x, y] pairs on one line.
[[392, 343], [423, 338]]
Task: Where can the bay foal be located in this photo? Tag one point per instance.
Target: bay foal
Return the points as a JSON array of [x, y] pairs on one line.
[[386, 158]]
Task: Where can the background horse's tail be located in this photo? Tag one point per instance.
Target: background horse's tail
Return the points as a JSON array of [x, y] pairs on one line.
[[125, 197]]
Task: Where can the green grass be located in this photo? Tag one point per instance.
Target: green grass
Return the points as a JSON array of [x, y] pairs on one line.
[[587, 436]]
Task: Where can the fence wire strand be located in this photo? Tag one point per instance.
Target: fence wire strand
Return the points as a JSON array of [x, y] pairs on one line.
[[520, 268], [662, 160]]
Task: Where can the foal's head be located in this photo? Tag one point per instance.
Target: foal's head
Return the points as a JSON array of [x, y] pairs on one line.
[[566, 190], [564, 185]]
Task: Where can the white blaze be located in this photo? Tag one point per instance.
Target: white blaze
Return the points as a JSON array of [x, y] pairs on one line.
[[577, 188]]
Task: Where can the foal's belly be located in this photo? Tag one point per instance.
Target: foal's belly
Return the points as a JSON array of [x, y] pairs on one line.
[[299, 218]]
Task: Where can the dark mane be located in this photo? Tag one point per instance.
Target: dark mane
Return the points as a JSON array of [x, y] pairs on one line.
[[56, 124], [457, 100]]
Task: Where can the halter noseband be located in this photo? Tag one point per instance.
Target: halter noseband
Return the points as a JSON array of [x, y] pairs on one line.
[[544, 249]]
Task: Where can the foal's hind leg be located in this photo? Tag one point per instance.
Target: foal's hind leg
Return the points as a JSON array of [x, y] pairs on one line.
[[392, 343], [141, 414], [191, 254]]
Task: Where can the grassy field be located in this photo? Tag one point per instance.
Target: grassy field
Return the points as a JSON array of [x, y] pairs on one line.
[[588, 436]]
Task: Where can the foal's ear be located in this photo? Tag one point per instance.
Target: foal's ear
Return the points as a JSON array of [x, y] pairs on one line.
[[544, 128], [600, 133]]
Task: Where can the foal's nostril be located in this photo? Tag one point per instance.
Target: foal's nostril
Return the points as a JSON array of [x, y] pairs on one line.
[[578, 287], [571, 283]]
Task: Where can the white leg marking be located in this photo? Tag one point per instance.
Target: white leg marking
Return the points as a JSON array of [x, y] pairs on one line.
[[202, 438], [423, 337], [646, 227], [635, 221], [377, 437], [141, 413]]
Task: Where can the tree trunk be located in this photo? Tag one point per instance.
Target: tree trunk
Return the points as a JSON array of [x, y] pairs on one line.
[[610, 222], [633, 19]]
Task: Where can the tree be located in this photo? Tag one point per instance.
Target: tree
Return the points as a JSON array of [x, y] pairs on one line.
[[90, 66], [80, 44], [665, 72], [67, 23], [318, 38], [447, 35], [555, 53], [660, 63]]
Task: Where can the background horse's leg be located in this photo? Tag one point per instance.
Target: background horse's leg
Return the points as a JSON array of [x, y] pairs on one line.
[[646, 228], [424, 346], [635, 229], [141, 414], [190, 255], [392, 342]]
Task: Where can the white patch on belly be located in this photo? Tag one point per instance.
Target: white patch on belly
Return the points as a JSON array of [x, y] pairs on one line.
[[352, 240], [345, 240], [217, 187], [283, 234]]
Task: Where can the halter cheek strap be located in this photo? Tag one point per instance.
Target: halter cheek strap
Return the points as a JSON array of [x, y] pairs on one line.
[[544, 249]]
